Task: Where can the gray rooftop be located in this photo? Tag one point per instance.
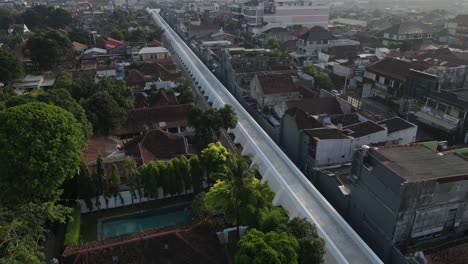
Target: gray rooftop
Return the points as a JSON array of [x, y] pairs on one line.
[[417, 162]]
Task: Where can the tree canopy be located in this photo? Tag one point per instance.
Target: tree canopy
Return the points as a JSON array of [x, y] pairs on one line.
[[41, 147], [207, 124], [22, 231], [58, 97], [273, 247], [10, 67], [40, 17], [48, 49], [322, 80]]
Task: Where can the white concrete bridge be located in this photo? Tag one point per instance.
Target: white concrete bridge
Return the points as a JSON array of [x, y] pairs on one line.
[[293, 191]]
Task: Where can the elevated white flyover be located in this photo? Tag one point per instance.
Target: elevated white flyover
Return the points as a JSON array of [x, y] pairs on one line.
[[293, 191]]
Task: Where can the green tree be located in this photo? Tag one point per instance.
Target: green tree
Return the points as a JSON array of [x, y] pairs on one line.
[[198, 208], [63, 99], [273, 247], [79, 35], [100, 179], [59, 18], [115, 183], [214, 158], [208, 124], [117, 34], [6, 18], [196, 172], [151, 179], [48, 49], [86, 186], [239, 175], [131, 174], [311, 246], [228, 116], [273, 44], [323, 81], [271, 219], [311, 70], [104, 112], [64, 80], [10, 67], [41, 147], [22, 231], [184, 170]]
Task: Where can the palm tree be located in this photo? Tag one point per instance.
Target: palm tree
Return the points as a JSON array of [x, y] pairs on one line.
[[239, 175]]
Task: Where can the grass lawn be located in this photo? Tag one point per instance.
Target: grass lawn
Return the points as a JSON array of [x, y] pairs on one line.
[[89, 221]]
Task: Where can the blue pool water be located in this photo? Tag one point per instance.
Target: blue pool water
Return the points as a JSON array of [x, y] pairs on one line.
[[137, 222]]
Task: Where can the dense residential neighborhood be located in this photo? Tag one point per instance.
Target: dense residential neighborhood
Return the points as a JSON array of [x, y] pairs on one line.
[[252, 131]]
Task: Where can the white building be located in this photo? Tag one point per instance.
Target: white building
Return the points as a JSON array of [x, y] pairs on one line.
[[281, 13]]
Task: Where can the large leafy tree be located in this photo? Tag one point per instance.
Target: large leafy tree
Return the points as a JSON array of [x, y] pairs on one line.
[[214, 158], [22, 231], [196, 171], [58, 97], [239, 175], [48, 49], [273, 247], [62, 98], [311, 246], [208, 124], [40, 17], [104, 112], [41, 147], [10, 67]]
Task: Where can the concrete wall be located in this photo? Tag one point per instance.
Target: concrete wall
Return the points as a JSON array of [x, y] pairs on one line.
[[374, 203], [290, 138], [333, 151], [403, 137], [328, 187]]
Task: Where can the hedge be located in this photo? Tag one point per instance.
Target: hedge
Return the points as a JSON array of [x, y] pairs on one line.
[[72, 234]]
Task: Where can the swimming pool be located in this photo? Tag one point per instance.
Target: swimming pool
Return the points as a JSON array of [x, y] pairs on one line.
[[127, 224]]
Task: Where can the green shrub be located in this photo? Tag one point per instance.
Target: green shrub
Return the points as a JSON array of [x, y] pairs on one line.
[[72, 234]]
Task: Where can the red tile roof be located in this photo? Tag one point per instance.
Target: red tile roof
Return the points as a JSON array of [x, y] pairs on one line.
[[135, 78], [96, 145], [111, 43], [139, 120], [156, 144]]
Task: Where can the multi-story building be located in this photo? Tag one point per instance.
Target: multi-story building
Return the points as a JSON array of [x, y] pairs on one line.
[[318, 39], [257, 17], [447, 111], [387, 77], [407, 31], [401, 196], [458, 26], [239, 65]]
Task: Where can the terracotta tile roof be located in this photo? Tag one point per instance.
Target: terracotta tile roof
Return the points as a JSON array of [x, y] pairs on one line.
[[163, 98], [276, 83], [139, 120], [135, 78], [79, 46], [156, 144], [96, 145], [395, 68], [141, 100], [111, 43]]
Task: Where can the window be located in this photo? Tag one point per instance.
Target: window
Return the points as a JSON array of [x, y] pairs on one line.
[[442, 108]]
